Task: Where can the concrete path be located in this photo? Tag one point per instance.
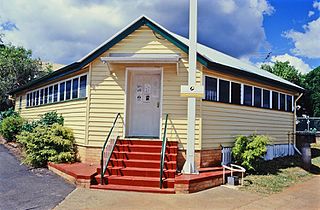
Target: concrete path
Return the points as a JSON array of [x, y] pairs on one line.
[[21, 188], [302, 196]]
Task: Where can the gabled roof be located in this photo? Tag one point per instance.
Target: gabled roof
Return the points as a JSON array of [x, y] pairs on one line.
[[210, 58]]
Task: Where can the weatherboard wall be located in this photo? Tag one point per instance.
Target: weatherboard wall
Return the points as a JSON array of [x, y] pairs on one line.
[[108, 90]]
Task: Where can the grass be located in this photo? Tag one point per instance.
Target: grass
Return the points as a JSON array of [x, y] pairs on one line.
[[275, 175]]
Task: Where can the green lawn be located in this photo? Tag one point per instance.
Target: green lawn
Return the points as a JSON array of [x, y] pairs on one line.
[[280, 173]]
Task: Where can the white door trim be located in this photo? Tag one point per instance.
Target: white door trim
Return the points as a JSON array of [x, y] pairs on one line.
[[127, 106]]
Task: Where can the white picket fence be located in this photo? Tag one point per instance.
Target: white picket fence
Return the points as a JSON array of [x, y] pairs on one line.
[[273, 151]]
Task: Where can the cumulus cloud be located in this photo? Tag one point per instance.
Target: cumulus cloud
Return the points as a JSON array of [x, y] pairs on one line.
[[65, 30], [306, 43], [294, 61], [316, 5], [310, 13]]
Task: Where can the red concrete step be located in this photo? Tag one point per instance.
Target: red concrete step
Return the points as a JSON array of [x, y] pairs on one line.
[[142, 156], [138, 181], [146, 142], [144, 148], [133, 188], [141, 172], [142, 163]]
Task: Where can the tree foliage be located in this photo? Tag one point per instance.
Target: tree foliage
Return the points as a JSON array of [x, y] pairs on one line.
[[17, 68], [312, 95], [286, 71]]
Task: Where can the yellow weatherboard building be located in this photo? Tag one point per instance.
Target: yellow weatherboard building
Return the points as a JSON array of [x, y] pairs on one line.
[[139, 72]]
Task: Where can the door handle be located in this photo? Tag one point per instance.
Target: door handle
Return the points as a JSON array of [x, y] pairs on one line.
[[158, 104]]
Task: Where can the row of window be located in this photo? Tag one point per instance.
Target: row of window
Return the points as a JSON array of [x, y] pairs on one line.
[[241, 94], [70, 89]]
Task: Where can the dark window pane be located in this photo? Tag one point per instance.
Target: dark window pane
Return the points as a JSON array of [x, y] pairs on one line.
[[275, 100], [282, 102], [75, 84], [83, 86], [55, 93], [28, 100], [50, 94], [68, 90], [211, 89], [247, 95], [41, 96], [224, 91], [62, 88], [266, 99], [20, 102], [289, 103], [45, 95], [235, 93], [37, 97], [33, 98], [257, 97]]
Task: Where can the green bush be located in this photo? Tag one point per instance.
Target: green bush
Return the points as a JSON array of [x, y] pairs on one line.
[[48, 143], [11, 126], [51, 118], [8, 113], [248, 151], [47, 119]]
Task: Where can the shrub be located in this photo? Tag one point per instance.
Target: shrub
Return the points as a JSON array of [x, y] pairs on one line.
[[47, 119], [249, 150], [48, 143], [8, 113], [11, 126], [51, 118]]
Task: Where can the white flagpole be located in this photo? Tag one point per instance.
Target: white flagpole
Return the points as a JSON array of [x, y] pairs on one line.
[[189, 166]]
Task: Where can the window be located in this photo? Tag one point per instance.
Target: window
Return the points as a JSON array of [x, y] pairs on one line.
[[235, 93], [211, 89], [289, 103], [34, 98], [28, 100], [45, 95], [257, 97], [266, 99], [68, 90], [247, 95], [75, 84], [224, 91], [83, 86], [41, 96], [282, 102], [20, 102], [37, 98], [62, 89], [50, 94], [275, 100], [55, 93]]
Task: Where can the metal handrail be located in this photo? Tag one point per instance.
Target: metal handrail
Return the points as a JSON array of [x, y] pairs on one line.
[[104, 164], [163, 150], [233, 168]]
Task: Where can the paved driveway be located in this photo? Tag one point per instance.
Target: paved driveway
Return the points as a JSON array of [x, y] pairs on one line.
[[21, 188]]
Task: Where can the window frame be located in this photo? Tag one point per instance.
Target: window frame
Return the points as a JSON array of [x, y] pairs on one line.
[[52, 85]]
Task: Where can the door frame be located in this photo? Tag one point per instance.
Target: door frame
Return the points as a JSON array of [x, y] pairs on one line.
[[126, 101]]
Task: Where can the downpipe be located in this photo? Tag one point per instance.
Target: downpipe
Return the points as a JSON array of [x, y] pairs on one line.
[[294, 125]]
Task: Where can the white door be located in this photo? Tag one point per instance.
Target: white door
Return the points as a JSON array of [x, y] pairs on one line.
[[145, 99]]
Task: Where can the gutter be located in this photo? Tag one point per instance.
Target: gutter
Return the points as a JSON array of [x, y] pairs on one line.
[[294, 125]]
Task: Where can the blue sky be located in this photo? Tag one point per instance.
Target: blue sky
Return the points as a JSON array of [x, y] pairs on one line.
[[62, 31]]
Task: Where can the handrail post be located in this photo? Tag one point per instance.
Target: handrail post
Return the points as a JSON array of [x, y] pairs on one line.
[[163, 150], [102, 164]]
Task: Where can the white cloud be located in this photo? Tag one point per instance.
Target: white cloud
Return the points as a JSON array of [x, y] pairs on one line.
[[65, 30], [306, 43], [310, 13], [316, 5], [294, 61]]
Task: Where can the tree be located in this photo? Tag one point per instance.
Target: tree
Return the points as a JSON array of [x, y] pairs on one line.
[[286, 71], [17, 68], [312, 95]]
